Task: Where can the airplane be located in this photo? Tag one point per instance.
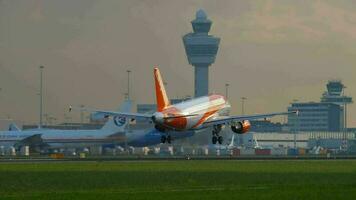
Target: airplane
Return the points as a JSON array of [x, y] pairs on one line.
[[15, 137], [194, 114], [112, 132]]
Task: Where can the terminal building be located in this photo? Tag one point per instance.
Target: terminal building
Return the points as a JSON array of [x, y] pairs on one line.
[[326, 115], [266, 126], [314, 116]]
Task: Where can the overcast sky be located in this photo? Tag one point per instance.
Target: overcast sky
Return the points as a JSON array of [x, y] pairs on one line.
[[270, 52]]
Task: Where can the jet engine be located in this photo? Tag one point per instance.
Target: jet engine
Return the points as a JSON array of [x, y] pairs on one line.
[[241, 127]]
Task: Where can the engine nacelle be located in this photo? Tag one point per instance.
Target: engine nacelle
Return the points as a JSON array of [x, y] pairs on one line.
[[241, 127]]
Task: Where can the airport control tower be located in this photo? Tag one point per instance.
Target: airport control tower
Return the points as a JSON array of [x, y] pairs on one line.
[[201, 50], [336, 94]]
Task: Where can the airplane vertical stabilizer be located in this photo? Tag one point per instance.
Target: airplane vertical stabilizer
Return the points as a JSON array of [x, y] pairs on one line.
[[14, 127], [161, 95]]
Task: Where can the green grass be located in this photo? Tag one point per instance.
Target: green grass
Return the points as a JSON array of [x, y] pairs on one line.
[[180, 180]]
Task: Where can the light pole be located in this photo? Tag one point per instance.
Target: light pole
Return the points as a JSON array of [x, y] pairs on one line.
[[296, 126], [128, 84], [128, 98], [243, 105], [227, 90], [41, 95], [345, 110], [81, 114], [344, 138]]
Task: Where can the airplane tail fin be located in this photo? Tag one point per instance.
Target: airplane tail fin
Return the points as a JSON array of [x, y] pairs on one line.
[[116, 123], [14, 127], [161, 95]]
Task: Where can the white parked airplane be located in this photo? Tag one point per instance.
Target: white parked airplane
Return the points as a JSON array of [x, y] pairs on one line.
[[112, 132]]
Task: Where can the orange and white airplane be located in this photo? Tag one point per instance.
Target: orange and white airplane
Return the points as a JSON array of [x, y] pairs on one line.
[[198, 113]]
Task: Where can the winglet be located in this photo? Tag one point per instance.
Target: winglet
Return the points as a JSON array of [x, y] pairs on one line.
[[161, 95]]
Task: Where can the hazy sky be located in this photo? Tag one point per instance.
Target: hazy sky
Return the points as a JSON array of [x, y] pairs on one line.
[[270, 52]]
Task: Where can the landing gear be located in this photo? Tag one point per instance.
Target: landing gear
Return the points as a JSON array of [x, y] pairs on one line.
[[220, 139], [165, 139], [216, 137]]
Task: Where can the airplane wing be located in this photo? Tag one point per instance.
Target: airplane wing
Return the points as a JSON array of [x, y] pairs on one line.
[[125, 107], [114, 113], [233, 119]]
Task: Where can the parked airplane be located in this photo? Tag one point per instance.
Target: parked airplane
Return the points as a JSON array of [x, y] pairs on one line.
[[111, 133], [198, 113], [50, 138]]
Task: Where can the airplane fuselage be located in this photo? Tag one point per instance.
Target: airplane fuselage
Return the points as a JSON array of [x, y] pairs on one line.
[[193, 113], [63, 138]]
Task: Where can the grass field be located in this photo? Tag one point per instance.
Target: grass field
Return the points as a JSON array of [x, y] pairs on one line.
[[180, 180]]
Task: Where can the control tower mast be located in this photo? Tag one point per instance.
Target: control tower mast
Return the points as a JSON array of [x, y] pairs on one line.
[[201, 50]]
